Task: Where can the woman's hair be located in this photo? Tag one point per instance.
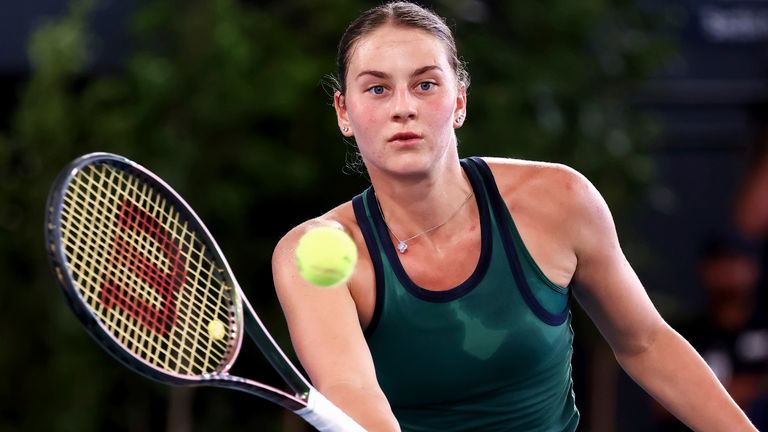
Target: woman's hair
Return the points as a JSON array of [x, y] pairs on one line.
[[399, 13]]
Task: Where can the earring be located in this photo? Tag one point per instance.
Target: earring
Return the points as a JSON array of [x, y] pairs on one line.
[[345, 129], [460, 119]]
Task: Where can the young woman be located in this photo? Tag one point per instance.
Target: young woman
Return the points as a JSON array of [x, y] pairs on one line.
[[457, 315]]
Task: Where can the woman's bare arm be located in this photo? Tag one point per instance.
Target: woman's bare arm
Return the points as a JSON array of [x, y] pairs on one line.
[[648, 349], [326, 333]]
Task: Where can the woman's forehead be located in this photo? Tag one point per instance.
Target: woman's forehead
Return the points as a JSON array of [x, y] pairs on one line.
[[396, 47]]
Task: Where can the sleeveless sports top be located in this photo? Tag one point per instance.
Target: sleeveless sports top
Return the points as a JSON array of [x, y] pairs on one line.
[[492, 354]]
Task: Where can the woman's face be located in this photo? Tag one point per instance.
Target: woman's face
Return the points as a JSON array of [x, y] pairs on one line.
[[402, 100]]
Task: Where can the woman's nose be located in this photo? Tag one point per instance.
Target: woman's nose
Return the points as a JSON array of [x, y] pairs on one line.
[[404, 107]]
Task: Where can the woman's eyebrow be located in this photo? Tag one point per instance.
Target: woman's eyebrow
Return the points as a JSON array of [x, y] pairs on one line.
[[375, 73], [384, 75], [425, 69]]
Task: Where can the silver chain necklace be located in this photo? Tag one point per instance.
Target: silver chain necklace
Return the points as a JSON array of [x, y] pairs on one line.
[[402, 245]]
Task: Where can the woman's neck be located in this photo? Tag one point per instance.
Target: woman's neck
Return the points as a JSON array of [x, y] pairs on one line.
[[414, 205]]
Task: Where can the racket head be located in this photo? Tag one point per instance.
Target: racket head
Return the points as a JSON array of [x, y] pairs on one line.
[[141, 271]]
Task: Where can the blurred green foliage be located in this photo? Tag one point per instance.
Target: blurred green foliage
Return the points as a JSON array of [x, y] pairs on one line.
[[224, 100]]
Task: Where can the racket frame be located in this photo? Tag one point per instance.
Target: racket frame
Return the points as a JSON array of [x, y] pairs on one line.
[[250, 323]]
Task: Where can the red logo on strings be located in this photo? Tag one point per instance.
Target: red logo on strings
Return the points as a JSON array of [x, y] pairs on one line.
[[125, 255]]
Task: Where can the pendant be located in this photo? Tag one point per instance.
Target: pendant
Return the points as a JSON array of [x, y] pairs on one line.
[[402, 247]]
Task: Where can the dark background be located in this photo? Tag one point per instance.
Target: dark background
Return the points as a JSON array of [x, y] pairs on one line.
[[659, 103]]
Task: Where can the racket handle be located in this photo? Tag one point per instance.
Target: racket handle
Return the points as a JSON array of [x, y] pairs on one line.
[[325, 416]]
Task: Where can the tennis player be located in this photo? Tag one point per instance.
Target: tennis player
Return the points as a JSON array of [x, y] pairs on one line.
[[457, 317]]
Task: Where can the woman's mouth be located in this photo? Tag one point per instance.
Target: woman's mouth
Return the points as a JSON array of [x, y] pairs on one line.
[[404, 137]]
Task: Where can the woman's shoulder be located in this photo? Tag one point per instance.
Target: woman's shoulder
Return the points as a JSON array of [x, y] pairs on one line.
[[340, 217], [552, 195], [518, 176], [503, 163]]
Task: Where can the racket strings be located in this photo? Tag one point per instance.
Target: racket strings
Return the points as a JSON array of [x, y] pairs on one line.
[[145, 273], [160, 319]]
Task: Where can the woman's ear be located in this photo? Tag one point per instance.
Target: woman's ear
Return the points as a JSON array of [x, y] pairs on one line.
[[460, 112], [339, 104]]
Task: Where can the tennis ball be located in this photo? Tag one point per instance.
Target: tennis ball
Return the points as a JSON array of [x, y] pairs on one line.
[[326, 256], [216, 330]]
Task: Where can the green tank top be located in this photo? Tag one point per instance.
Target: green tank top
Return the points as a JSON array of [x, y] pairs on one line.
[[492, 354]]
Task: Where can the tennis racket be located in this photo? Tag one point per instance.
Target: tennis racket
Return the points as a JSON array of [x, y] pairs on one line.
[[147, 280]]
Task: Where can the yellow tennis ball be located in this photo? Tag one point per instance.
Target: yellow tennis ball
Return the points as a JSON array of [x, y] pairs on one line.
[[216, 330], [326, 256]]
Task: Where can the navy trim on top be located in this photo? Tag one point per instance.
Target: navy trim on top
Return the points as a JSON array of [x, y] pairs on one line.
[[373, 250], [485, 248], [501, 211]]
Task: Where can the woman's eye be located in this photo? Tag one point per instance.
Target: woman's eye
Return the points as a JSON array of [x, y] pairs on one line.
[[426, 86], [377, 90]]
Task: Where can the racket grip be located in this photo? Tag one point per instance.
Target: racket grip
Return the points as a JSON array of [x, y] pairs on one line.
[[325, 416]]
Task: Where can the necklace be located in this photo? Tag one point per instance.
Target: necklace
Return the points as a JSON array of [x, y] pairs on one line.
[[402, 245]]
